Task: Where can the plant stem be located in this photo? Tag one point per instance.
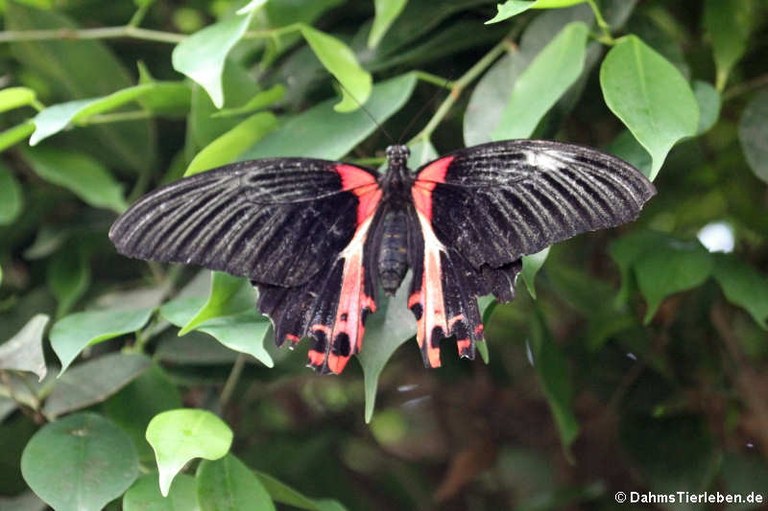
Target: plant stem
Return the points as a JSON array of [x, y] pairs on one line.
[[126, 31], [457, 88], [605, 29], [232, 380]]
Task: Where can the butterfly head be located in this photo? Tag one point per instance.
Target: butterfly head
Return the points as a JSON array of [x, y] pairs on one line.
[[397, 156]]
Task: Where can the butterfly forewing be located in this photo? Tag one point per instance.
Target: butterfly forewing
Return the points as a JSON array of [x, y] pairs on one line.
[[498, 201], [275, 221]]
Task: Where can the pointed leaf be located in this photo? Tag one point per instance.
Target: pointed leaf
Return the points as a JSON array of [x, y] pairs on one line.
[[68, 276], [544, 82], [512, 8], [79, 463], [284, 494], [228, 485], [229, 295], [82, 175], [11, 198], [94, 381], [202, 55], [325, 133], [259, 101], [56, 118], [552, 367], [24, 351], [178, 436], [670, 268], [728, 25], [743, 286], [531, 266], [387, 12], [709, 105], [229, 146], [70, 335], [340, 61], [650, 96], [753, 133], [144, 495], [390, 327]]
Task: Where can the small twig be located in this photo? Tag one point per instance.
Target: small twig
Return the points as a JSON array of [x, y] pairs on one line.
[[126, 31], [743, 88], [232, 381], [458, 87], [605, 28]]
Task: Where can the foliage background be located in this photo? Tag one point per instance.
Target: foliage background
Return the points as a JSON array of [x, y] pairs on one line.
[[639, 366]]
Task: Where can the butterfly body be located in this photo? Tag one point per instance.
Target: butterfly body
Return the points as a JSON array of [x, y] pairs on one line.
[[320, 238]]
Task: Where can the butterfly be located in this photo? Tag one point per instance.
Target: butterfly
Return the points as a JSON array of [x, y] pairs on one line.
[[320, 239]]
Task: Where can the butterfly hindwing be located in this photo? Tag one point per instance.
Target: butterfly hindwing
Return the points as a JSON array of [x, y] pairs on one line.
[[276, 221]]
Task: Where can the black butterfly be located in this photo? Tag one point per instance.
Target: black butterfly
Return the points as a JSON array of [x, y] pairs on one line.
[[318, 238]]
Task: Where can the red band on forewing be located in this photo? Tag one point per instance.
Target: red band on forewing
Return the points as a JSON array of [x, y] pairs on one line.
[[364, 185], [353, 177], [436, 171], [425, 183]]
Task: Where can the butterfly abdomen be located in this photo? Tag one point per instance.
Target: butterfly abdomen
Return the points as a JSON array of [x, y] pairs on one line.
[[393, 250]]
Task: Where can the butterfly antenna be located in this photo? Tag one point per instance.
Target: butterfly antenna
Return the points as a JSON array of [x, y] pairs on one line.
[[368, 113], [417, 116]]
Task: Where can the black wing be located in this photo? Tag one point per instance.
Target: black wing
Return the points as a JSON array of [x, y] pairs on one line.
[[276, 221], [496, 202], [478, 210]]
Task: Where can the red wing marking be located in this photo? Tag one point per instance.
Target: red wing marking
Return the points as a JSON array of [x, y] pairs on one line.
[[432, 324], [464, 346], [426, 181], [344, 337], [362, 184]]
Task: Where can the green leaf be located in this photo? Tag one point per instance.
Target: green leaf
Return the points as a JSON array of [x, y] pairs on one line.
[[325, 133], [531, 266], [709, 105], [387, 12], [82, 175], [68, 276], [743, 286], [229, 146], [13, 136], [56, 118], [145, 495], [78, 69], [24, 351], [340, 61], [728, 25], [79, 463], [71, 334], [650, 96], [228, 485], [16, 97], [11, 198], [229, 295], [512, 8], [670, 268], [552, 368], [260, 100], [94, 381], [753, 133], [626, 147], [629, 249], [178, 436], [284, 494], [244, 332], [543, 82], [390, 327], [202, 55]]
